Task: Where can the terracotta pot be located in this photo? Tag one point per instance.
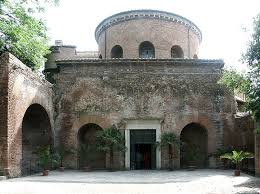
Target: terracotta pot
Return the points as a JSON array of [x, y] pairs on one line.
[[45, 173], [61, 169], [237, 172]]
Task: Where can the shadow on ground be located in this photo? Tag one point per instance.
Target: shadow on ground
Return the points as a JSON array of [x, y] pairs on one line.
[[130, 177], [252, 184]]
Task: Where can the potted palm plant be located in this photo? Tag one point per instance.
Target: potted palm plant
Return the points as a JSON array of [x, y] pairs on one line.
[[169, 140], [236, 157], [110, 140]]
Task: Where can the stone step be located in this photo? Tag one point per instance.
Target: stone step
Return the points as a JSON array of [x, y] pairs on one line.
[[2, 178]]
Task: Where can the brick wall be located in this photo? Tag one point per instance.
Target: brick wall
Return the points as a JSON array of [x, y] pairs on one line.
[[24, 89], [106, 92], [242, 136], [3, 112], [162, 34], [178, 92]]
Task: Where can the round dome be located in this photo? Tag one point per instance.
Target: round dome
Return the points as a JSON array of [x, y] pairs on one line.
[[147, 34]]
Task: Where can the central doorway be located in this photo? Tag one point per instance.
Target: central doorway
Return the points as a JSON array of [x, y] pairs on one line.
[[142, 149]]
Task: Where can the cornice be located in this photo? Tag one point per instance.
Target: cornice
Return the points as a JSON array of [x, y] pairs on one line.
[[195, 62], [141, 14]]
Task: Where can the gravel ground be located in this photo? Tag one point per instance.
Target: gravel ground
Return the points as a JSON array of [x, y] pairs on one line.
[[134, 182]]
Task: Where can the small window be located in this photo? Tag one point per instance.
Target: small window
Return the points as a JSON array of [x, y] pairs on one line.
[[146, 50], [117, 52], [177, 52], [195, 56]]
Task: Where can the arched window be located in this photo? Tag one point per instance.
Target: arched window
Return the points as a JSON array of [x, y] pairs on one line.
[[117, 52], [146, 50], [177, 52], [195, 56]]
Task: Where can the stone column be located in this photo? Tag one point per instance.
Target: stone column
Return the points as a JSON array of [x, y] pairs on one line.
[[127, 145]]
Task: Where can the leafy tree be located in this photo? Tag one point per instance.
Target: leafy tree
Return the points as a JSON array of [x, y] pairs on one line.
[[235, 80], [21, 33], [249, 83], [169, 140], [110, 140], [252, 58], [32, 5]]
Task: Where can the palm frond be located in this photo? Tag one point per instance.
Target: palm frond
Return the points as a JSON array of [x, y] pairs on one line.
[[237, 156]]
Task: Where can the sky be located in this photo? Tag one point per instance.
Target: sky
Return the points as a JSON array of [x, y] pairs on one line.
[[226, 25]]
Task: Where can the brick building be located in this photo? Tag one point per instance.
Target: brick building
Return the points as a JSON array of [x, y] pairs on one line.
[[145, 79]]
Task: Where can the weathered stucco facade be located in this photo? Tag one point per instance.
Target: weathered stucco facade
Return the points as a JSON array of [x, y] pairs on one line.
[[164, 91], [113, 92]]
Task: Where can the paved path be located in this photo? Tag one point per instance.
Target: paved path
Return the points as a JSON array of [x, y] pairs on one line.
[[134, 182]]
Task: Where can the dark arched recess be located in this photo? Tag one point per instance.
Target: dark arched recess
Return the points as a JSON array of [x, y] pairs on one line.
[[36, 133], [117, 52], [177, 52], [194, 141], [146, 50], [88, 155]]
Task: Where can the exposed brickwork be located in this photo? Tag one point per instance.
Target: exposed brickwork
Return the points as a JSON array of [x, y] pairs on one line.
[[162, 34], [242, 136], [3, 112], [163, 29], [177, 92], [59, 52], [113, 91], [107, 92], [24, 89]]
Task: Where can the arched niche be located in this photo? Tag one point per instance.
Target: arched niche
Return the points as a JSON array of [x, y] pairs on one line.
[[194, 141], [88, 155], [36, 133]]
